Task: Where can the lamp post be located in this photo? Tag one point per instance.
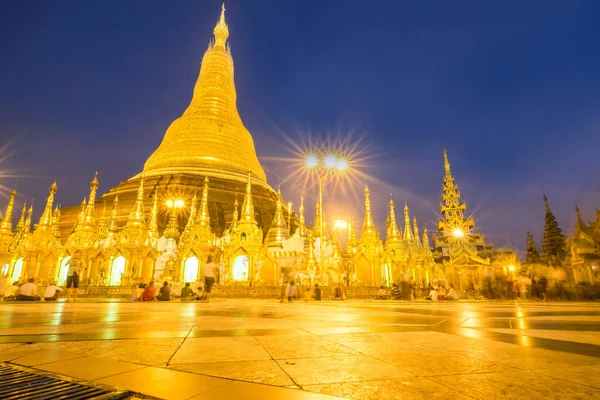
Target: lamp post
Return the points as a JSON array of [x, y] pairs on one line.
[[457, 234], [322, 167], [172, 230]]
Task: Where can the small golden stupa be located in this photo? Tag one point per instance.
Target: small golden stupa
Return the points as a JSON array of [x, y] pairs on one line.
[[209, 139]]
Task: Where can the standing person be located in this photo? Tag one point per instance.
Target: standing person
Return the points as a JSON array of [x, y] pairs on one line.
[[209, 271], [291, 291], [517, 289], [76, 268], [52, 292], [317, 292], [543, 287], [534, 292]]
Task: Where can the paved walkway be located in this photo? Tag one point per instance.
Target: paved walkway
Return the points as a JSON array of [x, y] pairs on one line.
[[250, 349]]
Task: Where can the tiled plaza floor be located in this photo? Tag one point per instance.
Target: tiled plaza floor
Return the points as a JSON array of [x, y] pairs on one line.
[[251, 349]]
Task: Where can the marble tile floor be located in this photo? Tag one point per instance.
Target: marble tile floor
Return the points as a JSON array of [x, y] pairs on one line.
[[255, 349]]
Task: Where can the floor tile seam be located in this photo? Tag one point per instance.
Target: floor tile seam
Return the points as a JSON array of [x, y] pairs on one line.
[[236, 379], [278, 365], [179, 347], [340, 344], [452, 389], [49, 362]]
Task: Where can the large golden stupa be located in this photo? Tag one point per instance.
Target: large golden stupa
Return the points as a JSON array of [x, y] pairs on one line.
[[209, 139]]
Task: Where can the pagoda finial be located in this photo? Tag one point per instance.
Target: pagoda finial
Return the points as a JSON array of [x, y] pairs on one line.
[[28, 218], [46, 217], [193, 214], [301, 211], [393, 234], [408, 236], [6, 224], [425, 240], [90, 210], [21, 223], [221, 30], [153, 220], [446, 163], [112, 224], [204, 218], [278, 231], [234, 222], [368, 223], [136, 216], [416, 231], [248, 205], [580, 222]]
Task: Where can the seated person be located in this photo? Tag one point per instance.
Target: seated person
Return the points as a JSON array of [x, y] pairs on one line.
[[452, 295], [28, 291], [52, 292], [433, 294], [12, 292], [396, 292], [200, 295], [187, 293], [307, 295], [165, 292], [338, 294], [149, 293], [441, 292], [317, 292], [381, 294]]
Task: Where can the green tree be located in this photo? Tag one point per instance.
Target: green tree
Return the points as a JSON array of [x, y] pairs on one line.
[[553, 241], [533, 255]]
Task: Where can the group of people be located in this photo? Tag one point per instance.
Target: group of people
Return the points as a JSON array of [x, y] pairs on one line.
[[147, 292], [290, 292], [440, 293]]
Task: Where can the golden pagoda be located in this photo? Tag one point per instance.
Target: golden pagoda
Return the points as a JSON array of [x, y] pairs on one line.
[[209, 139]]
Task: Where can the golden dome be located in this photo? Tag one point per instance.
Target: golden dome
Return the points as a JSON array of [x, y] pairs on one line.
[[209, 137]]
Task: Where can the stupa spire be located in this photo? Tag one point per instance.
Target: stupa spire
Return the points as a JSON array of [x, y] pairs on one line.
[[416, 231], [351, 235], [153, 220], [193, 214], [210, 135], [90, 210], [236, 216], [408, 236], [426, 239], [21, 223], [451, 208], [136, 216], [393, 234], [112, 223], [45, 222], [56, 222], [6, 227], [28, 219], [103, 223], [204, 218], [248, 205], [278, 231]]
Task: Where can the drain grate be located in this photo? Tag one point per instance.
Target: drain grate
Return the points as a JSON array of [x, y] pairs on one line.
[[22, 385]]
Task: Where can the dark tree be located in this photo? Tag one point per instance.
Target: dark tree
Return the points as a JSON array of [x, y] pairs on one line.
[[533, 255], [554, 250]]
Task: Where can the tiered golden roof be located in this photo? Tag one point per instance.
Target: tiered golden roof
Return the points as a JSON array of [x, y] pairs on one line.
[[209, 137]]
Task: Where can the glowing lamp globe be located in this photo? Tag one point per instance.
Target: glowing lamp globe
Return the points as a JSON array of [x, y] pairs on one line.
[[312, 161], [341, 164], [458, 233], [511, 267], [330, 161]]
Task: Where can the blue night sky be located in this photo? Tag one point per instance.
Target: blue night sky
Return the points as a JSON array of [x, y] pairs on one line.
[[510, 89]]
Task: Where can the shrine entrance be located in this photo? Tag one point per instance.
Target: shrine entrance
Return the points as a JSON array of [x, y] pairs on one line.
[[190, 269], [240, 267], [63, 270], [117, 270]]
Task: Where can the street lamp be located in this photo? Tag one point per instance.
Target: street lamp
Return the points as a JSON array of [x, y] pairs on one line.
[[458, 233], [328, 164], [172, 230]]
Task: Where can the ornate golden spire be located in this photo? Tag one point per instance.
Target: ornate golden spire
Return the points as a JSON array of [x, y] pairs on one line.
[[103, 223], [352, 242], [248, 205], [236, 216], [153, 220], [393, 235], [446, 163], [46, 217], [28, 219], [193, 214], [312, 262], [425, 237], [451, 208], [136, 216], [21, 223], [112, 223], [408, 236], [81, 215], [278, 231], [209, 137], [6, 227], [204, 218], [369, 228], [416, 231], [301, 211], [56, 222], [89, 220], [580, 222]]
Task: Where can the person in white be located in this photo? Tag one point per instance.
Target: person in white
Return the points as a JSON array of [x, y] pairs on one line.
[[28, 291], [52, 292], [12, 292], [433, 294], [381, 294], [452, 295]]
